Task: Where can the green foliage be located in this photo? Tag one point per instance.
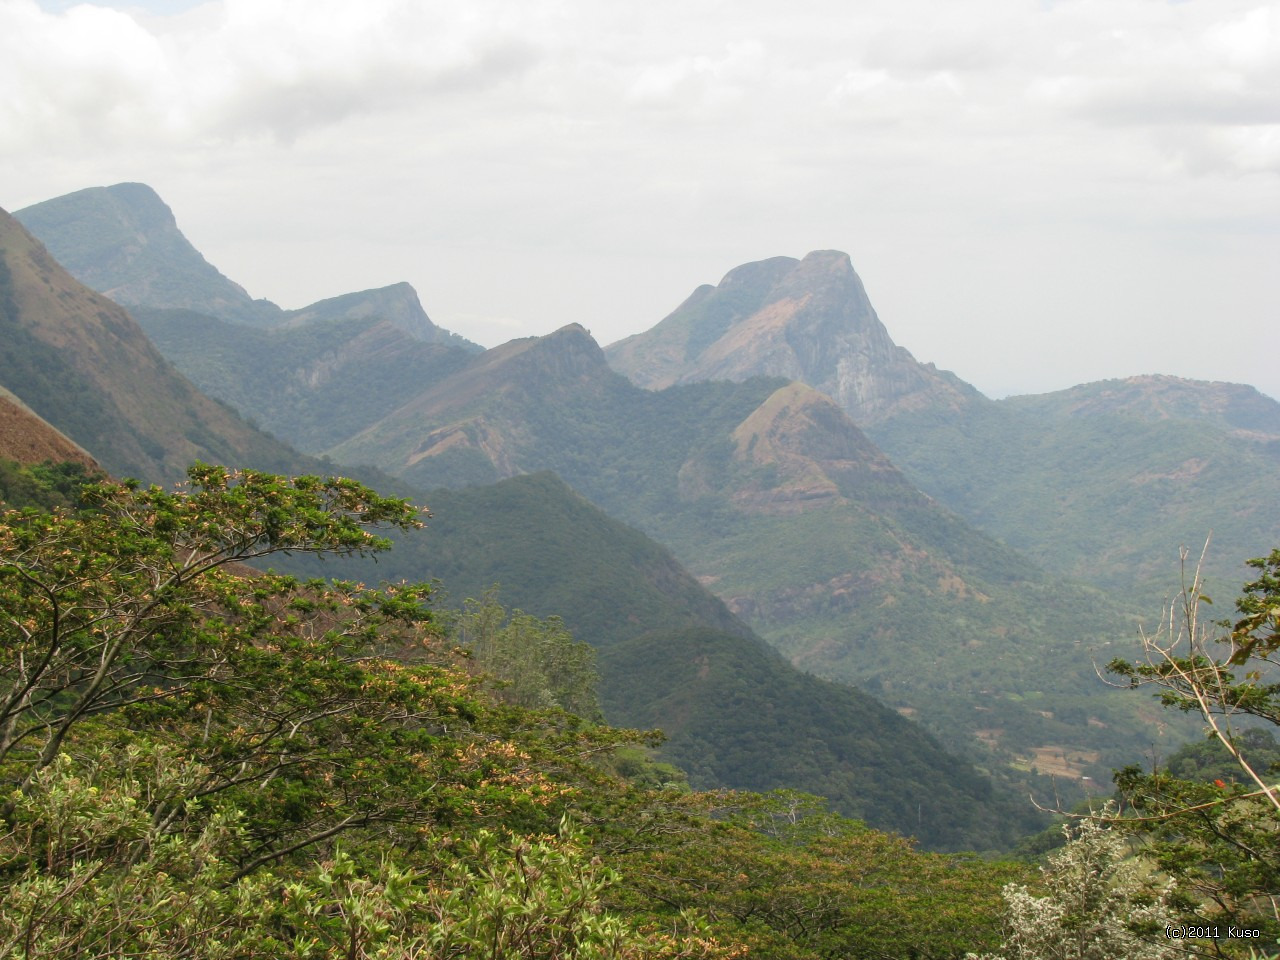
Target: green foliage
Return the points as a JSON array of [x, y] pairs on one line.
[[734, 713], [89, 870], [98, 603], [45, 485], [791, 880], [509, 897], [1257, 633], [1209, 760], [537, 663], [186, 743]]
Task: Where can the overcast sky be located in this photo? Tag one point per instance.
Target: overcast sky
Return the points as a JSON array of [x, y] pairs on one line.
[[1035, 193]]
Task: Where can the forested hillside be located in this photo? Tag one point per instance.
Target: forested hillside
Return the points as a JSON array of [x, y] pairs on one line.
[[672, 656], [287, 769], [316, 383], [788, 512], [1105, 482]]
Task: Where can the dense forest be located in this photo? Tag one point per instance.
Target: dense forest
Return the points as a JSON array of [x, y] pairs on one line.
[[201, 759]]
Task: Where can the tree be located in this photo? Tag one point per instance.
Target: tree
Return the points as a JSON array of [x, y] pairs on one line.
[[1219, 837], [199, 760], [536, 663], [793, 881], [1098, 906], [132, 600]]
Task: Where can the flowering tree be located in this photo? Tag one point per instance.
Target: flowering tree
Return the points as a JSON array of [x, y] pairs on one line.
[[1098, 906]]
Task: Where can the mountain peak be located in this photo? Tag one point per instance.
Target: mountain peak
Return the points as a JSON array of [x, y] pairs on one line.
[[807, 320], [85, 366], [144, 204], [124, 242], [398, 304], [569, 352]]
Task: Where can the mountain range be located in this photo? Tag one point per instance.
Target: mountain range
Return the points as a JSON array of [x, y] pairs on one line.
[[1102, 483], [764, 487], [82, 363], [124, 242], [878, 521], [738, 714]]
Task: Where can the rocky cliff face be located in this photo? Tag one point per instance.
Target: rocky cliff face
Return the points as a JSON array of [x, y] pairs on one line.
[[808, 320], [796, 452]]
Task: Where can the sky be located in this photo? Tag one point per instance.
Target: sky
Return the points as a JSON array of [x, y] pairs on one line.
[[1036, 193]]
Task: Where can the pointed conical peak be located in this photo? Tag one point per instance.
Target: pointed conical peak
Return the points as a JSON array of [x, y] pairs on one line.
[[808, 320], [536, 364]]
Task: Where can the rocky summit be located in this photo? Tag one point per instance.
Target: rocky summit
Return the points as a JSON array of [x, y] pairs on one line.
[[808, 320]]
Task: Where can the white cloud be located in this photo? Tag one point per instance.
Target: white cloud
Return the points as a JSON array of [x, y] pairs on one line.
[[242, 67]]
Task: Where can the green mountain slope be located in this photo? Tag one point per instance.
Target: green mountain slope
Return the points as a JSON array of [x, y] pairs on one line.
[[397, 305], [82, 363], [1105, 482], [123, 242], [776, 501], [315, 382], [673, 656], [1101, 483]]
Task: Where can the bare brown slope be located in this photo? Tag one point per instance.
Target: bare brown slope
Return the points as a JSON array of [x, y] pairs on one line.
[[81, 362], [26, 438]]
